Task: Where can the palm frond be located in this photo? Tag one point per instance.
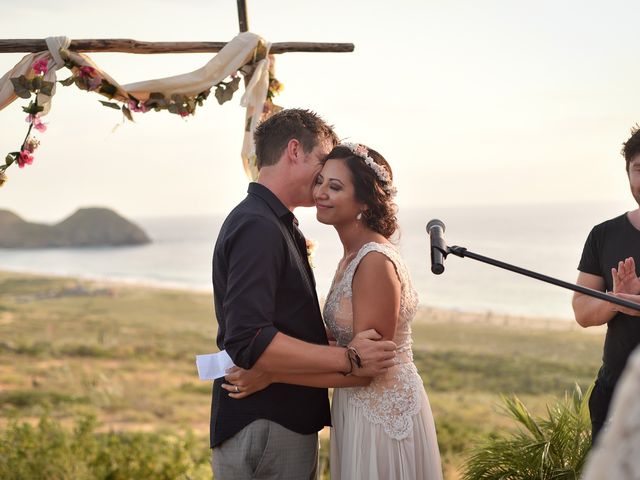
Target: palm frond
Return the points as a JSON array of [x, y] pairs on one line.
[[550, 448], [520, 413]]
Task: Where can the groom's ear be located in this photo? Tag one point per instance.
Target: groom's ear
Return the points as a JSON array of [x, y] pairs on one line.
[[294, 151]]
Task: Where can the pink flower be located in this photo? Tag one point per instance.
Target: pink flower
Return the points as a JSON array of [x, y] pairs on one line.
[[137, 106], [37, 123], [41, 66], [87, 71], [25, 158], [94, 83]]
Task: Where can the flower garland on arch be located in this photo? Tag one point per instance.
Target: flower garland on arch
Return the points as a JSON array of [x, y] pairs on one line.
[[88, 77]]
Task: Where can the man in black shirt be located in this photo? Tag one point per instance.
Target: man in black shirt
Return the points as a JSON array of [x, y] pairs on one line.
[[609, 243], [268, 313]]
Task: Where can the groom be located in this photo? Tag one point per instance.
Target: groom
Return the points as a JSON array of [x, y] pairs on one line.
[[268, 313]]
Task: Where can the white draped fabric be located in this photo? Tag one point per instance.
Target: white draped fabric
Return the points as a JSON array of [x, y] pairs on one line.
[[237, 53], [24, 67]]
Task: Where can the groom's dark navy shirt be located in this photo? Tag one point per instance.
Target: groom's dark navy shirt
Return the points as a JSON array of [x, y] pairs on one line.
[[262, 285]]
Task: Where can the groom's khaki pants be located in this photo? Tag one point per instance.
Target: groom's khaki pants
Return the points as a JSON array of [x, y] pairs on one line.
[[265, 450]]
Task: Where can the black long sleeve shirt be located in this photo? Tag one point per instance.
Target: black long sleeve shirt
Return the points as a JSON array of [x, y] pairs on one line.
[[262, 285]]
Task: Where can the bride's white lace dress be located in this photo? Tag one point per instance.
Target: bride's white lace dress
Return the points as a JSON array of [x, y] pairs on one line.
[[385, 430]]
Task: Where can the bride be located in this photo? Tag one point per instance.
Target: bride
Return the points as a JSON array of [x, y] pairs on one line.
[[383, 427]]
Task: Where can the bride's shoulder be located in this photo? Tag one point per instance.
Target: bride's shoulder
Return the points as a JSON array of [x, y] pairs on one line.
[[376, 268], [377, 256], [385, 247]]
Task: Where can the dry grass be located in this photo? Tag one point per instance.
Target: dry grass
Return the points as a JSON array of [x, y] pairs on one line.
[[126, 354]]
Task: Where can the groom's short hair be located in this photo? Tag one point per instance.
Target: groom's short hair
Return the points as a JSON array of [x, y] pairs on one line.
[[273, 135]]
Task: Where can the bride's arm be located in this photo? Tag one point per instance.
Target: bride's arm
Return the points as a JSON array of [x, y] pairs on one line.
[[376, 295]]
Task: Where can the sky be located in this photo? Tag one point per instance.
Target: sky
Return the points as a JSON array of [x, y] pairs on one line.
[[473, 102]]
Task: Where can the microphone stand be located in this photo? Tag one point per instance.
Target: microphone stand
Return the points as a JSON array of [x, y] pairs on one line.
[[463, 252]]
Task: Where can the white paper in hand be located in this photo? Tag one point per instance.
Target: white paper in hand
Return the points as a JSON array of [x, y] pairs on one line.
[[213, 365]]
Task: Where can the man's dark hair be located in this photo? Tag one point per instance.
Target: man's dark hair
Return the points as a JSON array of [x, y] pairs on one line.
[[631, 148], [273, 135]]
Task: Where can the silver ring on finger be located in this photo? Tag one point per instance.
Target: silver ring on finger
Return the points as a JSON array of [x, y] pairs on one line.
[[237, 389]]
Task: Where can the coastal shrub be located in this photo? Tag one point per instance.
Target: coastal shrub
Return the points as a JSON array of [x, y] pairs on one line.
[[86, 350], [548, 448], [51, 451], [45, 349], [449, 371], [454, 434], [31, 398], [34, 349]]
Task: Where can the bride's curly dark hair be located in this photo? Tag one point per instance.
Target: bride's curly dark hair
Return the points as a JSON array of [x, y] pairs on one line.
[[370, 190]]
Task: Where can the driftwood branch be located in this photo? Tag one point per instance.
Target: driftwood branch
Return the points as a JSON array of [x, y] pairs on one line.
[[243, 19], [135, 46]]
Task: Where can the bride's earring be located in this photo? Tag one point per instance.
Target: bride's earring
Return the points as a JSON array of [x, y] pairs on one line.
[[359, 216]]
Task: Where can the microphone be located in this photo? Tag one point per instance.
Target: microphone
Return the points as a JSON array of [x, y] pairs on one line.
[[435, 229]]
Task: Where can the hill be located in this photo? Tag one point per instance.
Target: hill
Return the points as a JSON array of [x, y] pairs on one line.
[[87, 227]]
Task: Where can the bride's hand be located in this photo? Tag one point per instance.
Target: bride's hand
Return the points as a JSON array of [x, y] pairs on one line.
[[241, 383]]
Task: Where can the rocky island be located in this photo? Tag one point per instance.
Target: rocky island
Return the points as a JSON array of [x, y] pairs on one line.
[[87, 227]]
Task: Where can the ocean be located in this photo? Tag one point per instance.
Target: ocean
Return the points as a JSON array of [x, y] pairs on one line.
[[544, 238]]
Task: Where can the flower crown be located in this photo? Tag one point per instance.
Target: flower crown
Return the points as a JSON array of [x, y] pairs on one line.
[[383, 175]]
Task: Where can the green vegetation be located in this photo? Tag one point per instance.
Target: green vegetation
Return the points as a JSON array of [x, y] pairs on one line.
[[51, 451], [552, 447], [74, 350]]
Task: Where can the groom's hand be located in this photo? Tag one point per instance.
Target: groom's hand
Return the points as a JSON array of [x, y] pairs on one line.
[[376, 355]]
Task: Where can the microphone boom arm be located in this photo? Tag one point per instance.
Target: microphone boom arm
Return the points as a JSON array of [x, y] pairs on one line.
[[463, 252]]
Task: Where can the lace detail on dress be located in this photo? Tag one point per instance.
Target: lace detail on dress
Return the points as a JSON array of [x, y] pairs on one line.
[[391, 399], [338, 311]]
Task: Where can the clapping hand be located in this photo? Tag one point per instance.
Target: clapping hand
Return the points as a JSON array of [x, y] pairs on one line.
[[631, 298], [624, 277], [626, 285]]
